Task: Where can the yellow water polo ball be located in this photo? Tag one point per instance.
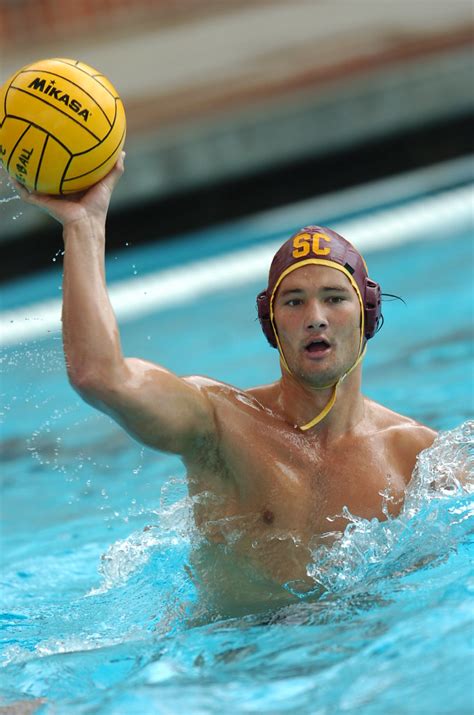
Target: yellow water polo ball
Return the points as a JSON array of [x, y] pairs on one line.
[[62, 126]]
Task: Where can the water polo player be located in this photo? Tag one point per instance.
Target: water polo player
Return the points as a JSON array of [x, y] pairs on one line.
[[274, 466]]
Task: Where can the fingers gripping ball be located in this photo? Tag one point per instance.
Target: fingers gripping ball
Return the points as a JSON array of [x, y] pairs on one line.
[[62, 126]]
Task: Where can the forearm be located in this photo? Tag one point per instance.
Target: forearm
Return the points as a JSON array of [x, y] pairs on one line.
[[90, 334], [91, 340]]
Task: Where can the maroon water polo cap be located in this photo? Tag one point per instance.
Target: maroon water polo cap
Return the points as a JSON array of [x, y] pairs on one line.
[[321, 246]]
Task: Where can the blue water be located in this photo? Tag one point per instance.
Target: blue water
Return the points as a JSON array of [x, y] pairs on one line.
[[95, 603]]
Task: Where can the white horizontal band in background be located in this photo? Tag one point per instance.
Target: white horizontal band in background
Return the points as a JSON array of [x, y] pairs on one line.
[[138, 296]]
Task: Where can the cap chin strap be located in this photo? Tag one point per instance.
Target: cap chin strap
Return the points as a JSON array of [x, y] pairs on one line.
[[325, 411], [362, 348]]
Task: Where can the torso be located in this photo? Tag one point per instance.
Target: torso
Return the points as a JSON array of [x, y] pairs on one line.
[[268, 494]]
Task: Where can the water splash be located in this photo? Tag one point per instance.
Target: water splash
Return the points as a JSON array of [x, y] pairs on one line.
[[433, 521], [378, 577], [172, 528], [12, 195]]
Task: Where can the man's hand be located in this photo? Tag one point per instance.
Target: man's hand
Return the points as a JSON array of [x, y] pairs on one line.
[[87, 205]]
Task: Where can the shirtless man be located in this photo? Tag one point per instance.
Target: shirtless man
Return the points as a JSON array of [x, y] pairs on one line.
[[270, 468]]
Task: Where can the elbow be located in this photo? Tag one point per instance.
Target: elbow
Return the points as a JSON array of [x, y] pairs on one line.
[[87, 383], [98, 384]]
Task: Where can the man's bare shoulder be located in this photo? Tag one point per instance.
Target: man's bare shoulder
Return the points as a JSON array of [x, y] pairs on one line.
[[263, 394], [401, 437], [204, 383], [217, 391], [401, 427], [210, 386], [266, 395], [243, 405]]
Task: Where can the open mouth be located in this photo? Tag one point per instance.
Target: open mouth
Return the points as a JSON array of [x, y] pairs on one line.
[[317, 347]]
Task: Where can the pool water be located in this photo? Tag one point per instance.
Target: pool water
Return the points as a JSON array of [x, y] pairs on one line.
[[97, 530]]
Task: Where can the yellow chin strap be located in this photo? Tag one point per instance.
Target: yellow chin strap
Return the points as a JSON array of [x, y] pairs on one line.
[[361, 352]]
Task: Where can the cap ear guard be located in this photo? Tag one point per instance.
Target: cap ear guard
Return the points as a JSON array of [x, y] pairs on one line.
[[263, 310], [372, 307]]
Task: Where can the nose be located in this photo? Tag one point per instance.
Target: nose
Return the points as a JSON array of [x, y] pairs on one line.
[[315, 318]]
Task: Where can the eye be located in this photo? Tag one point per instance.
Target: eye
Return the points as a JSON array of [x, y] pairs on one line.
[[293, 302], [335, 299]]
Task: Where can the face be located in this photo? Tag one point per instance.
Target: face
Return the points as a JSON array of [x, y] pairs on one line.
[[317, 315]]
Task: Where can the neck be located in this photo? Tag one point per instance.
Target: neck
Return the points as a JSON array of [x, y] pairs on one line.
[[301, 402]]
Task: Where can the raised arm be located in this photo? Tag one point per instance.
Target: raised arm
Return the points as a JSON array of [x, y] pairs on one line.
[[154, 405]]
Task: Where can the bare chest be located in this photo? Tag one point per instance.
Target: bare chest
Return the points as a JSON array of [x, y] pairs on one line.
[[268, 501], [310, 490], [282, 481]]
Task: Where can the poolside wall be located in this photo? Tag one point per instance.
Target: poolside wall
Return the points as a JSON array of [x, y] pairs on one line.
[[218, 92]]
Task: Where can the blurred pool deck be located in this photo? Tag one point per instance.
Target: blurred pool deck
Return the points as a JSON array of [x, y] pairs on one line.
[[247, 87]]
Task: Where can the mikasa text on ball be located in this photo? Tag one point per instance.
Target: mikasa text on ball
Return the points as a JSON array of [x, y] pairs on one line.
[[62, 126]]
